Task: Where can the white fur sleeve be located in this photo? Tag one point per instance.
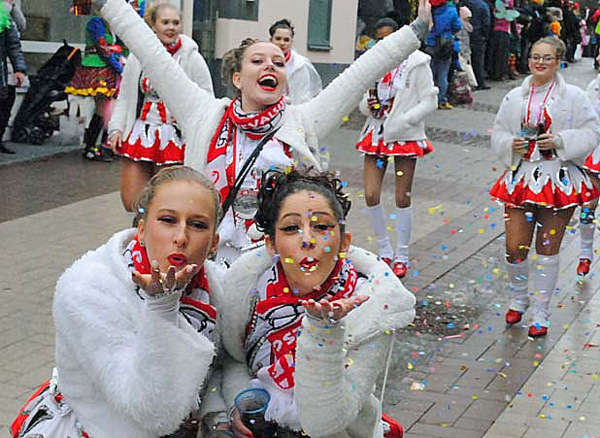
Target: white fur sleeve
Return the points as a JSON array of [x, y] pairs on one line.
[[345, 92], [427, 91], [329, 375], [503, 132], [118, 119], [144, 367], [583, 135], [182, 96]]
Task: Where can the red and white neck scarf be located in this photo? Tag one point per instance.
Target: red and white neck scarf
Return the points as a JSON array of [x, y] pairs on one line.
[[194, 303], [272, 333], [223, 153]]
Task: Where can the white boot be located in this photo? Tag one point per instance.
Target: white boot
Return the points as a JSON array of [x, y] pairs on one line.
[[545, 279], [586, 232], [518, 277], [404, 224], [379, 224]]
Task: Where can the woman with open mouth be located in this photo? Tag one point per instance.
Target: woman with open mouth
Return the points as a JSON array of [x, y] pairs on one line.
[[136, 325], [142, 128], [222, 134], [303, 80], [309, 281], [542, 134]]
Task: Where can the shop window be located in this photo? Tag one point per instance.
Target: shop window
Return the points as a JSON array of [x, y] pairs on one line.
[[319, 25], [239, 9]]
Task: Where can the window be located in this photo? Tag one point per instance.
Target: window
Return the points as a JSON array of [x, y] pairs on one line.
[[319, 25], [240, 9]]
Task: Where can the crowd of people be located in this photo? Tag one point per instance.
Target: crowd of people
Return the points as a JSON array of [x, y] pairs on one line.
[[239, 274]]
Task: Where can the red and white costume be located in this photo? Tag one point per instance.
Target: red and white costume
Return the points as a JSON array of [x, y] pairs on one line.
[[128, 364], [406, 95], [555, 180], [305, 372], [592, 162], [152, 135], [201, 117]]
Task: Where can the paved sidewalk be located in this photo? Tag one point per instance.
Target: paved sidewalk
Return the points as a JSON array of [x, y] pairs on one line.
[[459, 372]]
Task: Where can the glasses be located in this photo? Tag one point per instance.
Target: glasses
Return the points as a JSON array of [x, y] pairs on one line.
[[545, 58]]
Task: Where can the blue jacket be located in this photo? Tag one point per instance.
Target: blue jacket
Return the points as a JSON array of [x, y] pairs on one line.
[[446, 23], [10, 48]]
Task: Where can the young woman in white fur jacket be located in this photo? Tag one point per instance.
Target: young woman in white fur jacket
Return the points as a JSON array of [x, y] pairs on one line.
[[303, 80], [587, 217], [151, 138], [310, 318], [221, 134], [136, 325], [542, 133], [395, 130]]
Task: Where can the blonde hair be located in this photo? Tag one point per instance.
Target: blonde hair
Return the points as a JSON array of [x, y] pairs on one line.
[[232, 61], [167, 175], [153, 9], [554, 42]]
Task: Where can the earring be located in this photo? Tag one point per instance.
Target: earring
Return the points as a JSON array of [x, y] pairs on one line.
[[142, 244]]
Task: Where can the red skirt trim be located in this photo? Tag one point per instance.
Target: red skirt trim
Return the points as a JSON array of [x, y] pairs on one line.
[[171, 154], [590, 165], [399, 148], [547, 197]]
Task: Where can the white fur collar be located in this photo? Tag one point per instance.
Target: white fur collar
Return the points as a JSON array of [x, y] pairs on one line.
[[390, 306]]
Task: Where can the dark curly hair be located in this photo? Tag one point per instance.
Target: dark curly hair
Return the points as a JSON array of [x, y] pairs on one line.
[[276, 186], [281, 24]]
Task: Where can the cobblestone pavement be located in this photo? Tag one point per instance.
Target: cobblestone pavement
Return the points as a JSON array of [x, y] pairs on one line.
[[458, 371]]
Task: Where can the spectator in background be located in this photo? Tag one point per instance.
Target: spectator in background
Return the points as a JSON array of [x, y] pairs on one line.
[[10, 49], [481, 22], [440, 46], [570, 32], [499, 45]]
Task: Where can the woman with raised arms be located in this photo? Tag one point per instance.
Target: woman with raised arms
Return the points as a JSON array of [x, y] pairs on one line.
[[221, 134]]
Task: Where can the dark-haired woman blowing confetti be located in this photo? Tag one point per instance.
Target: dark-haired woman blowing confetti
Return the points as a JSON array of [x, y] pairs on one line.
[[310, 317]]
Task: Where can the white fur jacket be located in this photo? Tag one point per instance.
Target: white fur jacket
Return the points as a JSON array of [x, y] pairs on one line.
[[334, 385], [573, 120], [124, 370], [414, 100], [304, 81], [125, 112], [303, 127]]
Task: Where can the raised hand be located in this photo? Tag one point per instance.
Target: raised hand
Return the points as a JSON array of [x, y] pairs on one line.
[[157, 282], [424, 12], [333, 310]]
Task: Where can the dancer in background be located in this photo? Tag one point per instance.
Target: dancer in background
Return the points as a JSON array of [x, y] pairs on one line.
[[151, 138], [543, 130], [394, 130], [304, 82], [587, 217]]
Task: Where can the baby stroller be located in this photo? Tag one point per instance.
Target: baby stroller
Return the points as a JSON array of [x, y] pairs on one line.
[[35, 121]]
